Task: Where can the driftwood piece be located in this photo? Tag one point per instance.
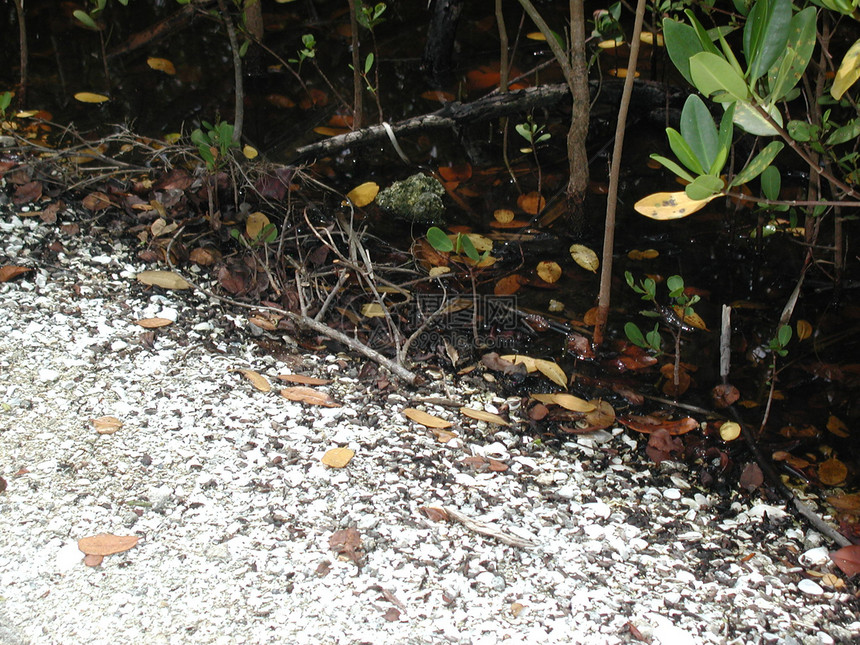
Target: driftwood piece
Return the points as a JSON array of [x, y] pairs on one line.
[[648, 93]]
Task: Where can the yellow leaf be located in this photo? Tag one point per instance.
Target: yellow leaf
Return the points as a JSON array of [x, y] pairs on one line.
[[832, 472], [730, 431], [849, 71], [425, 419], [106, 425], [536, 35], [610, 44], [481, 242], [693, 319], [161, 65], [363, 194], [372, 310], [338, 457], [584, 257], [326, 131], [481, 415], [552, 371], [90, 97], [503, 215], [172, 137], [665, 206], [647, 254], [804, 329], [437, 271], [516, 359], [257, 221], [567, 401], [250, 152], [257, 380], [163, 279], [837, 426], [549, 271], [153, 323], [647, 37]]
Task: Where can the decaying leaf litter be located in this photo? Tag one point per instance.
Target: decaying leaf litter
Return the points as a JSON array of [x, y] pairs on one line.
[[242, 530]]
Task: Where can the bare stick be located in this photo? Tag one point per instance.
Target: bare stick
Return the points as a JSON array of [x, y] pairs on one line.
[[237, 71]]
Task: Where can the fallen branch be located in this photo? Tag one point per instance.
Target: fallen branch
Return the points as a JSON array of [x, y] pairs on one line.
[[489, 107], [485, 528]]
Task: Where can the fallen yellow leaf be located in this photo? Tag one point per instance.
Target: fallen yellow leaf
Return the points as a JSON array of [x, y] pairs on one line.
[[161, 65], [481, 415], [428, 420], [106, 425], [90, 97], [363, 194], [567, 401], [584, 257], [338, 457], [257, 380]]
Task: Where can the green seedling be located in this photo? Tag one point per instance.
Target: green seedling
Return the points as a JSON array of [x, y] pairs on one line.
[[368, 65], [369, 16], [460, 245], [308, 51], [532, 133], [214, 144], [779, 342], [5, 102]]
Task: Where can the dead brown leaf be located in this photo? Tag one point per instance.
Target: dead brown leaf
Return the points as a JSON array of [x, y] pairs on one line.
[[347, 544], [434, 513], [725, 395], [256, 379], [481, 415], [425, 419], [304, 380], [96, 201], [107, 544], [153, 323], [28, 193], [10, 271], [309, 395], [848, 559], [106, 425]]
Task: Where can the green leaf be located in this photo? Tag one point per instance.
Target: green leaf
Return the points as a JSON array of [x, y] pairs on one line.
[[846, 133], [749, 119], [784, 335], [368, 63], [243, 48], [675, 285], [699, 131], [786, 73], [683, 151], [85, 19], [712, 74], [704, 37], [770, 182], [674, 167], [469, 247], [682, 44], [439, 240], [765, 35], [703, 187], [634, 334], [802, 131], [761, 161]]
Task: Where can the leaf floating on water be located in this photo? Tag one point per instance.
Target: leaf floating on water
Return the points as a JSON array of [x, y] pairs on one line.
[[163, 279], [257, 380], [460, 172], [106, 425], [338, 457], [693, 319], [832, 472], [837, 426], [509, 285], [363, 194], [730, 431], [309, 395], [549, 271], [91, 97], [428, 420], [107, 544], [584, 257], [647, 254], [503, 215], [481, 415], [161, 65], [531, 203], [804, 329]]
